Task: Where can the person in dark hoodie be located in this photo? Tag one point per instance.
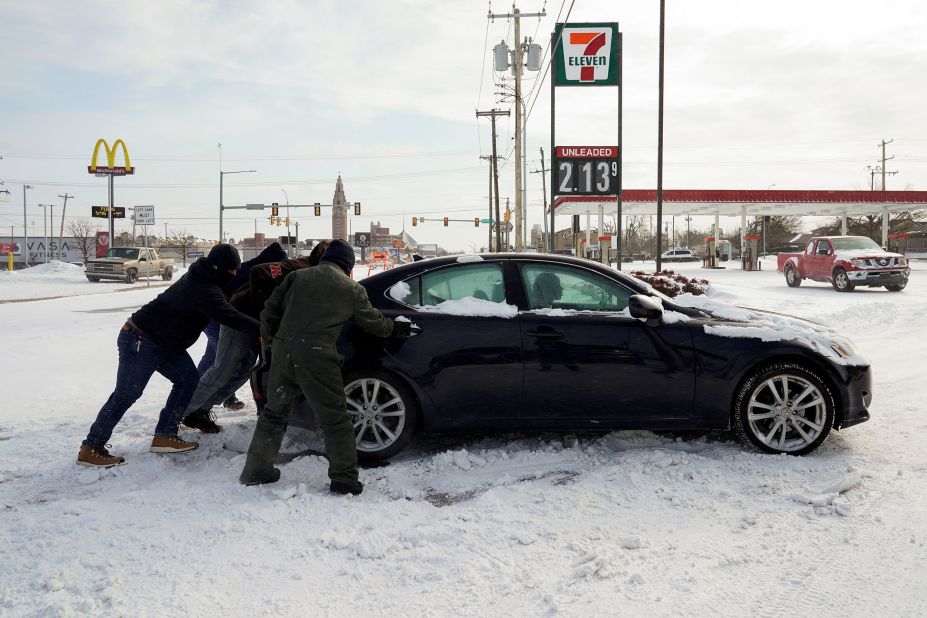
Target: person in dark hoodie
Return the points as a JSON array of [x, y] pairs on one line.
[[302, 321], [237, 351], [155, 339], [271, 253]]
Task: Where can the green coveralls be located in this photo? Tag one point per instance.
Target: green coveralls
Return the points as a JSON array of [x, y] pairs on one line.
[[303, 318]]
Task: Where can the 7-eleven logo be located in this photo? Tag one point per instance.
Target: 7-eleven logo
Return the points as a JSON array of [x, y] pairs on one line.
[[586, 54]]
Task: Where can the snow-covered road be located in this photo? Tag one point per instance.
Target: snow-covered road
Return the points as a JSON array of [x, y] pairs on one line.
[[625, 523]]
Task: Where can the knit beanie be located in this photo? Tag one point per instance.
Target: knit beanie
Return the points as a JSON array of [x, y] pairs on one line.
[[340, 253], [223, 257]]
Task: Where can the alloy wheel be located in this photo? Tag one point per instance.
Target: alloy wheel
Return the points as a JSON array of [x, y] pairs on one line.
[[787, 413], [378, 413]]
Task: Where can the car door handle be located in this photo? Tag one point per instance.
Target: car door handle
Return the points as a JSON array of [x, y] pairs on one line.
[[545, 332]]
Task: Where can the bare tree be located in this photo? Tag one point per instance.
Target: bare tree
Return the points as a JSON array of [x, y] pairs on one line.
[[84, 232], [182, 240]]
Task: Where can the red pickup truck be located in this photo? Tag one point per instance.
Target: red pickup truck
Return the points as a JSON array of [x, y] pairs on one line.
[[846, 262]]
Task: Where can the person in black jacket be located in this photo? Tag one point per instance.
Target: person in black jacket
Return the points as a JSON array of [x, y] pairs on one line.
[[156, 338], [271, 253]]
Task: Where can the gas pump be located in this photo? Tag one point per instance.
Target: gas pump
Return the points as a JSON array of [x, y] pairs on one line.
[[710, 260], [750, 258]]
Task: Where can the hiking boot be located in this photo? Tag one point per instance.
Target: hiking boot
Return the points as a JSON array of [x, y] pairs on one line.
[[233, 403], [260, 479], [340, 487], [98, 457], [203, 420], [171, 444]]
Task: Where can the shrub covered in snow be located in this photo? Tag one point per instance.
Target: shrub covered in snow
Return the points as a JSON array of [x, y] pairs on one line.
[[673, 284]]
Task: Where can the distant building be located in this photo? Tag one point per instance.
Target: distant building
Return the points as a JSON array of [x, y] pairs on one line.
[[339, 212]]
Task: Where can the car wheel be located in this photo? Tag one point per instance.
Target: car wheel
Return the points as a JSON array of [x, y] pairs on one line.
[[896, 288], [784, 408], [93, 279], [167, 274], [792, 278], [131, 275], [841, 281], [383, 411]]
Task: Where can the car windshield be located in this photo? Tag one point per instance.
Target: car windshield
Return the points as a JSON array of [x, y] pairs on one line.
[[123, 252], [854, 242]]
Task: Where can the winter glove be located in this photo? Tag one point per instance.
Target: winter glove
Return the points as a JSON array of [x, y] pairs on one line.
[[401, 330]]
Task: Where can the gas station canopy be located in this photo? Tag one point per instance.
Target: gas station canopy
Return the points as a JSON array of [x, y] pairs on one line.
[[738, 202]]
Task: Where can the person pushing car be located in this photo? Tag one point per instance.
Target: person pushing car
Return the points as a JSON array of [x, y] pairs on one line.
[[301, 321]]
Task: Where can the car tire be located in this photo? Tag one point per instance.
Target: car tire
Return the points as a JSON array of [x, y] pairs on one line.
[[168, 274], [792, 278], [131, 275], [896, 287], [380, 431], [841, 281], [793, 419], [93, 279]]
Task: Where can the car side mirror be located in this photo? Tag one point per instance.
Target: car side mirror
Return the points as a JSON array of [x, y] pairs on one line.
[[647, 308]]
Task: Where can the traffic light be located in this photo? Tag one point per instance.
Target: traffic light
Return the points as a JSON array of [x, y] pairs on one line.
[[318, 210], [274, 211], [414, 221], [508, 215], [287, 222], [356, 208], [445, 221], [476, 222]]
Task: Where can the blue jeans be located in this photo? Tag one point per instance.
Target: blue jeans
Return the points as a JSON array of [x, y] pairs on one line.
[[139, 359], [235, 356], [209, 355]]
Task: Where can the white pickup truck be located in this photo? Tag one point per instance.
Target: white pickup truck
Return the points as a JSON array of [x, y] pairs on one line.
[[128, 264]]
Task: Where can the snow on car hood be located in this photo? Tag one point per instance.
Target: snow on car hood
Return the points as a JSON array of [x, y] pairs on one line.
[[767, 326], [855, 254]]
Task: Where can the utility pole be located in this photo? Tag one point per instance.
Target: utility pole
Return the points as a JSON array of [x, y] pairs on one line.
[[495, 167], [884, 159], [517, 67], [508, 216], [489, 242], [61, 229], [25, 228], [660, 142], [543, 173], [872, 172]]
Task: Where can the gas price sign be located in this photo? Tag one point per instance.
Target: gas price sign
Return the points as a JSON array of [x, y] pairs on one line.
[[585, 170]]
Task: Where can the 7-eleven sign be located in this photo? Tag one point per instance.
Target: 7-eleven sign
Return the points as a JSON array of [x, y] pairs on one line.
[[587, 54]]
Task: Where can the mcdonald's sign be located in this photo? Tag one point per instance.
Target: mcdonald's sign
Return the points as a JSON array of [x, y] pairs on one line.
[[111, 168]]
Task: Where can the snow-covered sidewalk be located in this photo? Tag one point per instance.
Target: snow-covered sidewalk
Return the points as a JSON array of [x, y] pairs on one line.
[[624, 523]]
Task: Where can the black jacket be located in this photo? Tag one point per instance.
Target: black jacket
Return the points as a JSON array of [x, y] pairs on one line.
[[271, 253], [177, 316]]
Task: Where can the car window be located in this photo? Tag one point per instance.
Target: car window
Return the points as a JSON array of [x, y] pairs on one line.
[[483, 281], [823, 246], [554, 286], [810, 248]]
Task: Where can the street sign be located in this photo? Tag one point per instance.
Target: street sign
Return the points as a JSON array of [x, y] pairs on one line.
[[144, 215], [195, 254], [506, 226], [487, 221], [361, 239], [585, 170], [587, 54], [102, 212]]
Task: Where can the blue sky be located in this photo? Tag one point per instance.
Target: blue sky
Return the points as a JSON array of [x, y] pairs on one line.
[[794, 94]]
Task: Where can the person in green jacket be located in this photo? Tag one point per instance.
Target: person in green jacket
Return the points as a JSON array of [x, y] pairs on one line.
[[301, 321]]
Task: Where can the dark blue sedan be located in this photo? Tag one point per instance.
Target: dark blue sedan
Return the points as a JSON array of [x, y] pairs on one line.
[[534, 341]]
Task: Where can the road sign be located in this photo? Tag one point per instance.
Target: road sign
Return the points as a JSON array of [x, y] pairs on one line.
[[102, 212], [144, 215], [506, 226], [487, 221], [585, 170], [361, 239], [195, 254], [587, 54]]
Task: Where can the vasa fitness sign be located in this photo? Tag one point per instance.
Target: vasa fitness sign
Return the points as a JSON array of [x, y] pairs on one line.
[[587, 54]]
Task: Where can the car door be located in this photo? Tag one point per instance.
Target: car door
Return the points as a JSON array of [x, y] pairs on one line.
[[468, 357], [588, 362], [819, 264]]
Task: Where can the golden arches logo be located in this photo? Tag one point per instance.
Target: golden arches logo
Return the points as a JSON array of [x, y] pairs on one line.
[[110, 167]]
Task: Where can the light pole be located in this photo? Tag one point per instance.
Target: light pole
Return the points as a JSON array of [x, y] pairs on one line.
[[221, 206], [25, 227], [44, 208], [288, 243]]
